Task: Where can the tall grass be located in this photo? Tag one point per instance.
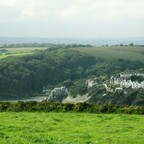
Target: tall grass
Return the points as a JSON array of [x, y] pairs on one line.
[[70, 128]]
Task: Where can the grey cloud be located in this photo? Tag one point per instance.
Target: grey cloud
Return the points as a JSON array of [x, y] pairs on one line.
[[72, 18], [9, 13]]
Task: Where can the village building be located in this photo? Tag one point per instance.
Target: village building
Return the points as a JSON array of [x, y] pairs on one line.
[[118, 89], [57, 93], [108, 89], [90, 83]]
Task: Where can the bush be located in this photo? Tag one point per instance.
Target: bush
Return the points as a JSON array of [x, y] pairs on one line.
[[59, 107]]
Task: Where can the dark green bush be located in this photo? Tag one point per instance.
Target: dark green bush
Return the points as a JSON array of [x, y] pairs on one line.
[[59, 107]]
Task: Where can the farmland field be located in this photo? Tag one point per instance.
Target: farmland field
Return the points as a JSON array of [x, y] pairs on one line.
[[114, 52], [111, 52], [19, 51], [70, 128]]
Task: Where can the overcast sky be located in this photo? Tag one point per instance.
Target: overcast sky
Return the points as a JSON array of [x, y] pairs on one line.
[[72, 18]]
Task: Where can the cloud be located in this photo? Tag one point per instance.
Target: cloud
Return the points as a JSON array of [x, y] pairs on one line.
[[68, 9], [8, 13], [105, 9], [66, 17]]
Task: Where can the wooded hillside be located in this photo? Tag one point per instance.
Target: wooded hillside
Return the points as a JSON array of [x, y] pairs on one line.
[[25, 76]]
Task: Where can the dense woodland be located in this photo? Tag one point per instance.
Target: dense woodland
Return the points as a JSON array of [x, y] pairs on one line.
[[26, 76]]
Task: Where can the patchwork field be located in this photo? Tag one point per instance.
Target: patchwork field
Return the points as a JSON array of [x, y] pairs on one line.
[[70, 128], [114, 52], [111, 52]]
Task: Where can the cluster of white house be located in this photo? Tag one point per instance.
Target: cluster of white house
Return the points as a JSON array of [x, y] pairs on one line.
[[123, 83], [128, 75]]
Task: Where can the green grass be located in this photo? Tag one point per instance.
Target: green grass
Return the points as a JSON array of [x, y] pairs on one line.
[[14, 54], [111, 52], [20, 51], [70, 128], [114, 52], [24, 49]]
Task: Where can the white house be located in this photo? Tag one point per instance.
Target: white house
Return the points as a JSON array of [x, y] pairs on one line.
[[119, 89], [58, 93], [90, 83], [142, 84], [107, 88]]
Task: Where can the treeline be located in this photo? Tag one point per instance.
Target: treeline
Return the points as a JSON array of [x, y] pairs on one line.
[[25, 76], [27, 45], [34, 106]]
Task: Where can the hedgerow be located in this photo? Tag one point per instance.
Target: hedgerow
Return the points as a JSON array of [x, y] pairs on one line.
[[34, 106]]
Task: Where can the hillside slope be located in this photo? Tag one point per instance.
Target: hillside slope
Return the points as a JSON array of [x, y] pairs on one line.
[[26, 76]]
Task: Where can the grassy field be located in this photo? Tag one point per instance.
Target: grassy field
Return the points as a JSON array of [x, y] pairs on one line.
[[19, 51], [114, 52], [70, 128], [24, 49], [14, 54], [111, 52]]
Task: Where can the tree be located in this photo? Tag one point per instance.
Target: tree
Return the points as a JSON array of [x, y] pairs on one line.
[[131, 44]]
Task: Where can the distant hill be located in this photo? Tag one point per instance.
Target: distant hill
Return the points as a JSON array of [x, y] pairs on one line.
[[83, 41]]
